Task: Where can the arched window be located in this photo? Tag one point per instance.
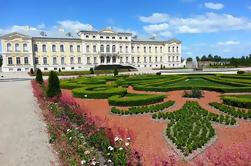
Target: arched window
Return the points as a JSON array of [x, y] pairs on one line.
[[71, 48], [25, 47], [53, 48], [61, 48], [113, 59], [102, 59], [44, 48], [78, 48], [94, 48], [173, 49], [169, 49], [177, 49], [17, 47], [87, 48], [108, 48], [35, 48], [108, 59], [113, 48], [9, 47], [102, 48]]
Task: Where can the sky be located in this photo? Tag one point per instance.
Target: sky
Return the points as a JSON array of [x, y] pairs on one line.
[[217, 27]]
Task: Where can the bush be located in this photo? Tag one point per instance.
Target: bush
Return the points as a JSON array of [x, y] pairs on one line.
[[53, 85], [31, 71], [39, 76], [115, 72], [91, 70], [242, 101], [158, 73], [194, 93], [240, 72], [135, 99]]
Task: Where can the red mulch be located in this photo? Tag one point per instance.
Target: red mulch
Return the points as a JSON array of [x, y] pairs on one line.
[[148, 134]]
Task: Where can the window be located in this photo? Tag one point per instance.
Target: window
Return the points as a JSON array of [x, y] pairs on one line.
[[138, 59], [173, 58], [35, 48], [61, 48], [95, 59], [107, 37], [87, 36], [113, 59], [94, 37], [78, 48], [177, 49], [88, 60], [132, 49], [144, 59], [156, 49], [54, 60], [102, 59], [108, 59], [44, 48], [113, 37], [94, 48], [101, 37], [126, 38], [120, 37], [138, 49], [72, 60], [160, 49], [156, 59], [8, 47], [173, 49], [113, 48], [53, 48], [45, 60], [17, 49], [177, 58], [150, 49], [169, 49], [126, 59], [144, 49], [102, 48], [79, 60], [108, 48], [26, 60], [36, 60], [132, 59], [121, 60], [168, 58], [25, 47], [150, 59], [62, 60], [126, 49], [18, 60], [71, 48], [10, 61], [120, 49], [161, 59], [87, 48]]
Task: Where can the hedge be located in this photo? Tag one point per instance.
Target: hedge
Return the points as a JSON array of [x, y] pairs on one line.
[[237, 101], [98, 92], [135, 99], [143, 109]]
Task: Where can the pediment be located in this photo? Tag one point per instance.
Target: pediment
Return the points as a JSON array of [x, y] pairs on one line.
[[15, 35]]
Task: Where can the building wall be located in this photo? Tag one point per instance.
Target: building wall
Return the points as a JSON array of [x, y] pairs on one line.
[[81, 54]]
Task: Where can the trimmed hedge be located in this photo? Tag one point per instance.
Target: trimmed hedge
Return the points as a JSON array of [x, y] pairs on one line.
[[237, 101], [135, 99], [98, 92], [143, 109]]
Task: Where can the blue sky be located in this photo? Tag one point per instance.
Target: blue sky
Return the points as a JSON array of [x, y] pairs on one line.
[[220, 27]]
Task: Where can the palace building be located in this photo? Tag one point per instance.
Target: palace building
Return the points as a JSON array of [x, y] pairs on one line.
[[85, 50]]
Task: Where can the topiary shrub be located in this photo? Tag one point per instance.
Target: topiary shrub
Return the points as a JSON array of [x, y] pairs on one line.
[[39, 76], [31, 71], [53, 85], [194, 93], [91, 70], [240, 72], [115, 72]]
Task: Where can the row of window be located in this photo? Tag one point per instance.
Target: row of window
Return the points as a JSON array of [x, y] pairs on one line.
[[18, 60], [54, 48], [107, 37], [17, 47]]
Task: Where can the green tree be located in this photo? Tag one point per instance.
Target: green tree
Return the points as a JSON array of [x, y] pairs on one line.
[[39, 76], [115, 72], [53, 85], [91, 70], [189, 59]]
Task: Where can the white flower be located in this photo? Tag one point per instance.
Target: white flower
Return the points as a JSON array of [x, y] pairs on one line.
[[87, 152], [70, 138], [68, 130], [121, 148], [85, 96], [83, 162], [93, 163], [108, 154], [110, 148], [116, 139], [127, 144], [128, 138], [109, 161]]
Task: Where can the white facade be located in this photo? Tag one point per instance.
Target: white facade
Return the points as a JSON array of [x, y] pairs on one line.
[[87, 49]]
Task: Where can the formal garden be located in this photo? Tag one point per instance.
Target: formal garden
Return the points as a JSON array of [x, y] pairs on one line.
[[181, 103]]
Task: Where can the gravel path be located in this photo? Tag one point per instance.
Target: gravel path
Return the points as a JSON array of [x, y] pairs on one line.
[[23, 137]]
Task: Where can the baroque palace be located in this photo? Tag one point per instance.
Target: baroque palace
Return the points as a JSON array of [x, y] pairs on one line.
[[84, 50]]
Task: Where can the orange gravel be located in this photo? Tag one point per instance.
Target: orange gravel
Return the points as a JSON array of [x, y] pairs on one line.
[[148, 134]]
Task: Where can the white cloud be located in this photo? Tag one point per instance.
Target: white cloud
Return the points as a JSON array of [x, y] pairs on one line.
[[214, 6], [165, 34], [118, 29], [228, 43], [74, 26], [154, 18], [205, 23]]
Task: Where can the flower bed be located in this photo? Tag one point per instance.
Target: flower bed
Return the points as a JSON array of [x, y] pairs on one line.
[[135, 99], [143, 109], [236, 112], [190, 128], [242, 101]]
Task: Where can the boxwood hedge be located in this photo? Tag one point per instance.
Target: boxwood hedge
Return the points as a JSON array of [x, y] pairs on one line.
[[242, 101], [135, 99]]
